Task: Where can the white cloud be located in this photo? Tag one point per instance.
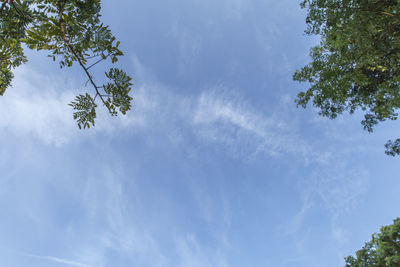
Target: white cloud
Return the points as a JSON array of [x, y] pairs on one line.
[[34, 107], [223, 118], [116, 223], [190, 44], [57, 260], [191, 253], [337, 188], [235, 9], [37, 106]]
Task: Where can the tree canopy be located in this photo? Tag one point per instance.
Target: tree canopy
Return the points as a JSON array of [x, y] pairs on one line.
[[383, 250], [71, 32], [356, 65]]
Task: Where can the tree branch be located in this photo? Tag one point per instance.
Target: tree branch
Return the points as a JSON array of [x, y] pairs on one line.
[[71, 48], [3, 6], [97, 62]]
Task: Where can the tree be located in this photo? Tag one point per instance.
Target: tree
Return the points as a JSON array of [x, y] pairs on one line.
[[71, 31], [382, 251], [356, 65]]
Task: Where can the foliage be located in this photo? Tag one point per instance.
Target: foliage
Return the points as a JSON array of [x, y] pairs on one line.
[[85, 110], [71, 31], [355, 66], [382, 251]]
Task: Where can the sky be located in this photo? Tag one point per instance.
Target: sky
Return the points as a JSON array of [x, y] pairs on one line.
[[214, 166]]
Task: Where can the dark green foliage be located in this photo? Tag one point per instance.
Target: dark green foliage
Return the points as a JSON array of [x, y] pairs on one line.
[[13, 22], [355, 66], [85, 110], [393, 147], [382, 251], [118, 91], [70, 31]]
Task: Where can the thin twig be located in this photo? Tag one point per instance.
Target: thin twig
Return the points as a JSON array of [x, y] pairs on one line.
[[97, 62], [3, 6]]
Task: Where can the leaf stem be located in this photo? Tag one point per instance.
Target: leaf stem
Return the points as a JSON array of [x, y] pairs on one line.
[[3, 6], [101, 59]]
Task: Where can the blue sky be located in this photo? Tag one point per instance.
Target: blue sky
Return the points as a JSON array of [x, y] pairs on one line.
[[214, 166]]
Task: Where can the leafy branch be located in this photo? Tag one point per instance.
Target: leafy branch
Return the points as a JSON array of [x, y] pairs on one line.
[[70, 29], [355, 66], [61, 20]]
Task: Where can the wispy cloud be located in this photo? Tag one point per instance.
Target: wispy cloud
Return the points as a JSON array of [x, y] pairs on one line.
[[118, 225], [220, 116], [55, 259], [223, 118], [335, 188], [33, 106], [37, 106], [215, 116], [191, 253]]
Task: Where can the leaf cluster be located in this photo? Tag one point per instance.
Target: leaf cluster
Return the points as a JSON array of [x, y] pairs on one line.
[[355, 66], [118, 91], [85, 110]]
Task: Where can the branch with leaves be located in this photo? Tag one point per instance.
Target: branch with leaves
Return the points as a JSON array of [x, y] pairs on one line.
[[382, 250], [355, 66], [71, 31]]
